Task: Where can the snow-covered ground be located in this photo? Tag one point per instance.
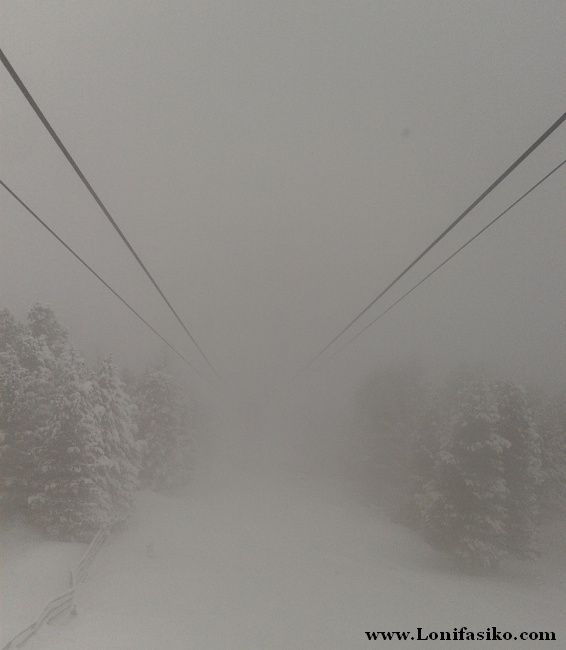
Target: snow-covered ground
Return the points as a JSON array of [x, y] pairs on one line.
[[271, 559], [32, 572]]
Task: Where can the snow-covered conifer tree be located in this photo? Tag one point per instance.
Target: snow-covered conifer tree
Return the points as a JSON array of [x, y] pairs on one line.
[[71, 499], [42, 322], [164, 427], [10, 330], [26, 373], [521, 466], [463, 504], [426, 442], [15, 447], [68, 452], [550, 419], [115, 413]]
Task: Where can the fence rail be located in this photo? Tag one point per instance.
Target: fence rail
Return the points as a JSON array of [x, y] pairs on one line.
[[65, 602], [80, 572]]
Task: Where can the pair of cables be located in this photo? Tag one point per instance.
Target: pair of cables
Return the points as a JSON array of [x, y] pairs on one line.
[[482, 196], [106, 213], [99, 202]]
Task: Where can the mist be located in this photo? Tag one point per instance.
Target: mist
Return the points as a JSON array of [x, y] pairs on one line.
[[275, 165]]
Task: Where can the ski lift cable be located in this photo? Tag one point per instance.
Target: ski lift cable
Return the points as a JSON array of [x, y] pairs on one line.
[[88, 267], [542, 180], [482, 196], [99, 202]]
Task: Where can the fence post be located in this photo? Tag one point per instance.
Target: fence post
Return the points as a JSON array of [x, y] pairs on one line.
[[58, 605]]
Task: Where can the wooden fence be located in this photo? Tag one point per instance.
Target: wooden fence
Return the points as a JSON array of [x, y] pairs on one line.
[[64, 603]]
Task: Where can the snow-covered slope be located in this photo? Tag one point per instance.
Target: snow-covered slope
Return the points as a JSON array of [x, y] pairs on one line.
[[268, 560], [32, 572]]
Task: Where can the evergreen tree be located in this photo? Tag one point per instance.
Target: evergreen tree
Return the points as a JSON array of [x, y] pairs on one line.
[[550, 418], [165, 429], [71, 499], [26, 385], [68, 452], [42, 323], [10, 330], [522, 467], [463, 503], [115, 413], [425, 446], [556, 448], [17, 440]]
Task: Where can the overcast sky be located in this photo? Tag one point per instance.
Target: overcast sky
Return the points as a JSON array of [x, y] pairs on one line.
[[277, 164]]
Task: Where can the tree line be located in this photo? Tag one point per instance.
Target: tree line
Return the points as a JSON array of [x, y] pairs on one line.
[[476, 464], [76, 442]]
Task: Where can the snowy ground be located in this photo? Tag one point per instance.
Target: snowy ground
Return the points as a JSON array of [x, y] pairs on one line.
[[268, 559], [32, 572]]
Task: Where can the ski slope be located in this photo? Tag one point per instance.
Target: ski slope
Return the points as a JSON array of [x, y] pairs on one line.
[[261, 558], [32, 572]]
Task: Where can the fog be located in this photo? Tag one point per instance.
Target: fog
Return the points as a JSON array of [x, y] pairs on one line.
[[276, 165]]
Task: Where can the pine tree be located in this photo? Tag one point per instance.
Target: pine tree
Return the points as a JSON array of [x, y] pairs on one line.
[[463, 503], [165, 429], [26, 373], [555, 446], [71, 499], [522, 468], [115, 413], [42, 323], [425, 446], [68, 453], [550, 419], [17, 440], [10, 330]]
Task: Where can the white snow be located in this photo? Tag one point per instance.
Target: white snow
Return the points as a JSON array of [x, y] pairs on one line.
[[267, 559], [32, 572]]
